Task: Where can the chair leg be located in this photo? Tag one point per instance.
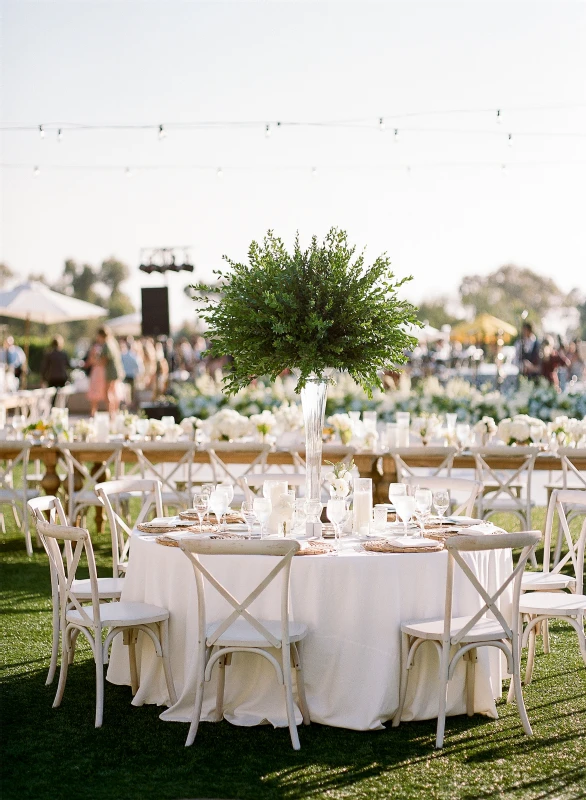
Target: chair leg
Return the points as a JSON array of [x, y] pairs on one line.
[[65, 648], [518, 690], [300, 684], [403, 680], [511, 692], [288, 687], [99, 659], [55, 644], [530, 656], [164, 638], [221, 667], [131, 635], [545, 631], [443, 695], [202, 660], [470, 681]]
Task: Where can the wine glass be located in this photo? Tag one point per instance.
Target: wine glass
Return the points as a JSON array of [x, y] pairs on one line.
[[423, 501], [396, 490], [200, 505], [336, 511], [208, 488], [262, 507], [18, 424], [441, 501], [404, 506], [218, 506], [247, 511]]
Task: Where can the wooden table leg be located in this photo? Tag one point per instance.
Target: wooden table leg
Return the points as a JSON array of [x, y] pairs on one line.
[[50, 483]]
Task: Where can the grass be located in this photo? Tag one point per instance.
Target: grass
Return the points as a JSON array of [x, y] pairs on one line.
[[57, 753]]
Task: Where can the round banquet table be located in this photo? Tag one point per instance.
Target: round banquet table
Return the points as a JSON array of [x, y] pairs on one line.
[[353, 605]]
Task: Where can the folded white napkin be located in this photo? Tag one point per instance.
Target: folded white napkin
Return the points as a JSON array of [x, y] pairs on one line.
[[170, 522], [407, 542], [463, 520], [481, 530]]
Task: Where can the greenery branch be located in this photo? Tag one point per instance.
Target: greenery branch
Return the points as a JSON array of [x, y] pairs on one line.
[[309, 310]]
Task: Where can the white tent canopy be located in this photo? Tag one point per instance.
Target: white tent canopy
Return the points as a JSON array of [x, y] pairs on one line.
[[126, 325], [35, 302], [426, 334]]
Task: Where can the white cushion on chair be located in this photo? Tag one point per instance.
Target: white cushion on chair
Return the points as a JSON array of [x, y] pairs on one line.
[[113, 614], [544, 581], [557, 604], [107, 587], [242, 634], [485, 629]]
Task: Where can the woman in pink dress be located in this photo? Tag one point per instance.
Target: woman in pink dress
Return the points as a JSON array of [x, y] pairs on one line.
[[95, 361]]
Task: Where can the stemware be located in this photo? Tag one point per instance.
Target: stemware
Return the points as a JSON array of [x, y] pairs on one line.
[[405, 506], [441, 501], [262, 507], [423, 501], [218, 506], [336, 511], [247, 511], [397, 490], [18, 424], [200, 506], [228, 490], [208, 488]]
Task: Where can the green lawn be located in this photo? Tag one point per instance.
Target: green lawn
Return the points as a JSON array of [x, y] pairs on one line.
[[57, 753]]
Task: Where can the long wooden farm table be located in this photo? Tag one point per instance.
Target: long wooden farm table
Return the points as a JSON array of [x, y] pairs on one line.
[[380, 467]]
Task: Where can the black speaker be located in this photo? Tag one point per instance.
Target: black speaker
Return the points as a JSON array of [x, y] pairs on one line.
[[155, 311]]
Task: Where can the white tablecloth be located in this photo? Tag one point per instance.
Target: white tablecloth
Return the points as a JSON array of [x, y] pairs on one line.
[[353, 605]]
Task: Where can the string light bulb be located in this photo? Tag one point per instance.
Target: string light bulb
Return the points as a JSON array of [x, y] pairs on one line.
[[128, 172], [499, 119], [220, 173], [41, 132], [314, 172], [36, 172], [396, 135], [267, 130], [504, 170], [510, 140], [162, 132], [59, 135], [381, 124]]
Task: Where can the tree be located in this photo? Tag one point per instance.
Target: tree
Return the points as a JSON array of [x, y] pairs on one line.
[[113, 273], [509, 291], [436, 314]]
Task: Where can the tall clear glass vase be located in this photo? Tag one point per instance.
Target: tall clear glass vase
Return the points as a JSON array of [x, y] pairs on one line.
[[313, 401]]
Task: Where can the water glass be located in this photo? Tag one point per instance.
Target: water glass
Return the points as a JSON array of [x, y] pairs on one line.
[[200, 506], [423, 502], [247, 511], [379, 518], [336, 512], [18, 424], [405, 507], [262, 507], [441, 501], [218, 505], [397, 490]]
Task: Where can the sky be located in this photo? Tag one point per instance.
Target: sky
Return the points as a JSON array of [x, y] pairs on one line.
[[438, 200]]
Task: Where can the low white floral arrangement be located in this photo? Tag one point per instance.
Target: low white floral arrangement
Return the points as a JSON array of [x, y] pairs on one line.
[[289, 417], [342, 478], [485, 426], [226, 425], [426, 425], [521, 429], [83, 428], [155, 428], [567, 431], [343, 426], [263, 423]]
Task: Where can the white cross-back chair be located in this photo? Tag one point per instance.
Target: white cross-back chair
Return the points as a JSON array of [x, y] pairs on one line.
[[461, 486], [49, 509], [487, 627], [224, 468], [92, 620], [113, 494], [242, 631], [572, 476], [501, 483], [546, 597], [84, 498], [423, 452], [176, 477], [15, 493]]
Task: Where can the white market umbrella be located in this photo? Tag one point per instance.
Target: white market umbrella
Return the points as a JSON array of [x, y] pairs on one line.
[[35, 302], [126, 325], [426, 334]]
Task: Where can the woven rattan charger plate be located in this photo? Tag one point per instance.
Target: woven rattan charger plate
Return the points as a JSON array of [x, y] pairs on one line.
[[170, 542], [230, 518], [386, 546], [313, 548], [147, 527]]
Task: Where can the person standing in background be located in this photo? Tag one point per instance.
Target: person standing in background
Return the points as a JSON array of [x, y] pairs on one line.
[[106, 372], [14, 357], [131, 369], [55, 365], [551, 361], [528, 357]]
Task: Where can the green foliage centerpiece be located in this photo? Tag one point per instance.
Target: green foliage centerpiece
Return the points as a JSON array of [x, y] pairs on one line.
[[311, 311]]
